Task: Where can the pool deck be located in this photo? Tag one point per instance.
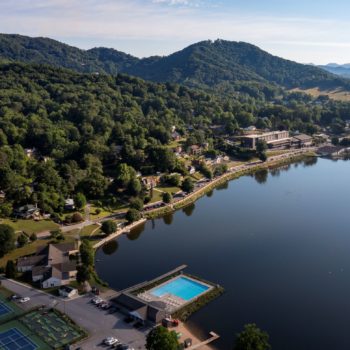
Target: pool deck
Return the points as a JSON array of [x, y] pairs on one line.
[[173, 302]]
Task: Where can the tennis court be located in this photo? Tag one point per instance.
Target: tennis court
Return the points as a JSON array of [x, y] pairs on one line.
[[14, 339], [4, 309]]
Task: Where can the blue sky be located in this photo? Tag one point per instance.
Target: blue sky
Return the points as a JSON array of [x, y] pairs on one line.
[[306, 31]]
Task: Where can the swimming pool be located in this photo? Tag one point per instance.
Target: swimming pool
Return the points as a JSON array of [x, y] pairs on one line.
[[182, 287]]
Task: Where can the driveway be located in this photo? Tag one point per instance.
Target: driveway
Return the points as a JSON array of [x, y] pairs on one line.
[[96, 321]]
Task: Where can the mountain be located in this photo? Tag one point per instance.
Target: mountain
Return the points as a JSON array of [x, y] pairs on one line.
[[342, 70], [217, 65]]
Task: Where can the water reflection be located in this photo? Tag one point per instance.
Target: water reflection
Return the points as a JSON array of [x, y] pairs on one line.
[[210, 193], [189, 209], [223, 186], [136, 232], [310, 161], [110, 247], [261, 176], [168, 219]]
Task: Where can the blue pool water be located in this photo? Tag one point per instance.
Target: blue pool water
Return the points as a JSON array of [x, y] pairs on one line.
[[181, 287]]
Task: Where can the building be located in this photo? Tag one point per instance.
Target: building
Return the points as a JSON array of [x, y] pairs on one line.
[[274, 139], [195, 150], [302, 140], [69, 204], [146, 312], [26, 211], [52, 266], [67, 292]]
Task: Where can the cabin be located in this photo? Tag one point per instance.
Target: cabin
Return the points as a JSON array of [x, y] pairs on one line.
[[302, 140], [26, 211]]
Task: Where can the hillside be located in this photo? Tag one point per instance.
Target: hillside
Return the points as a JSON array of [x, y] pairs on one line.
[[219, 65]]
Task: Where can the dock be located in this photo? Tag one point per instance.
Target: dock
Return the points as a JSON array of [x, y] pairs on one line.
[[213, 337]]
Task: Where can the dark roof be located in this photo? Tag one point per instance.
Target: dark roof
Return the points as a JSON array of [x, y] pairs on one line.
[[129, 301], [66, 266], [40, 270], [30, 260], [302, 137]]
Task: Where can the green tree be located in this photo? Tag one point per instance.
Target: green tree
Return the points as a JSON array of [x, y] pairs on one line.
[[160, 338], [33, 237], [108, 227], [261, 146], [252, 338], [80, 200], [83, 273], [133, 215], [187, 185], [10, 270], [134, 187], [7, 239], [137, 204], [167, 197], [22, 240], [124, 174], [86, 253]]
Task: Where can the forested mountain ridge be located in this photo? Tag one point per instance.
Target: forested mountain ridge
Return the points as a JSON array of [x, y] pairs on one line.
[[92, 132], [218, 66]]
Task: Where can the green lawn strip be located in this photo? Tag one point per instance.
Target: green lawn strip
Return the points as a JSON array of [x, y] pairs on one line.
[[31, 226], [157, 196], [25, 331], [23, 251], [170, 189], [88, 230]]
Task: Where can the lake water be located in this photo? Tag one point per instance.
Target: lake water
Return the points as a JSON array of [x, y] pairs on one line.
[[279, 244]]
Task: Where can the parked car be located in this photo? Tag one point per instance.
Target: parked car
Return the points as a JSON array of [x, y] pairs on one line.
[[24, 300], [14, 297], [97, 301], [110, 341], [123, 347]]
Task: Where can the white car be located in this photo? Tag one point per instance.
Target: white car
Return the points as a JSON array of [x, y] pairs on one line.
[[24, 300], [97, 300], [110, 341]]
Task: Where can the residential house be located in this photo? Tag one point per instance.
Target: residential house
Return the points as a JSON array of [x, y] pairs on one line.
[[191, 170], [195, 150], [302, 140], [26, 211], [30, 152], [175, 136], [69, 204], [52, 266]]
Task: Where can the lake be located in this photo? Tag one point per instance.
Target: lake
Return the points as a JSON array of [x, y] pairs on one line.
[[278, 242]]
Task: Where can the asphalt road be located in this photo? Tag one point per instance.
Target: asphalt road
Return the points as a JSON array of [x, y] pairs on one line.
[[97, 322]]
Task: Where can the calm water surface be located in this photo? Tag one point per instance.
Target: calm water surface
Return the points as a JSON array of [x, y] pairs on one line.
[[279, 243]]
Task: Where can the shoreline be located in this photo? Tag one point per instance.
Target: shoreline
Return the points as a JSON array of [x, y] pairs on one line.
[[191, 331]]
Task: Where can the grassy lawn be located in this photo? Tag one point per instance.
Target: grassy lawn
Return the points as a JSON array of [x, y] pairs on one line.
[[26, 250], [197, 176], [277, 153], [169, 189], [88, 230], [157, 196], [31, 226]]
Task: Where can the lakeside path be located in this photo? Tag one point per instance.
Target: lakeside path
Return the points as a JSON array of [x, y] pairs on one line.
[[200, 190]]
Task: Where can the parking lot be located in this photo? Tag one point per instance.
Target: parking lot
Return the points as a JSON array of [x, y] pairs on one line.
[[99, 323]]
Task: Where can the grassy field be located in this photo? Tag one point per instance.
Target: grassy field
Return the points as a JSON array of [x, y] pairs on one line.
[[31, 226], [26, 250], [171, 189], [88, 230], [337, 94]]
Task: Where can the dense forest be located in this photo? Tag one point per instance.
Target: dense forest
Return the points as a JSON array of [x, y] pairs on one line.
[[93, 132], [219, 66]]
